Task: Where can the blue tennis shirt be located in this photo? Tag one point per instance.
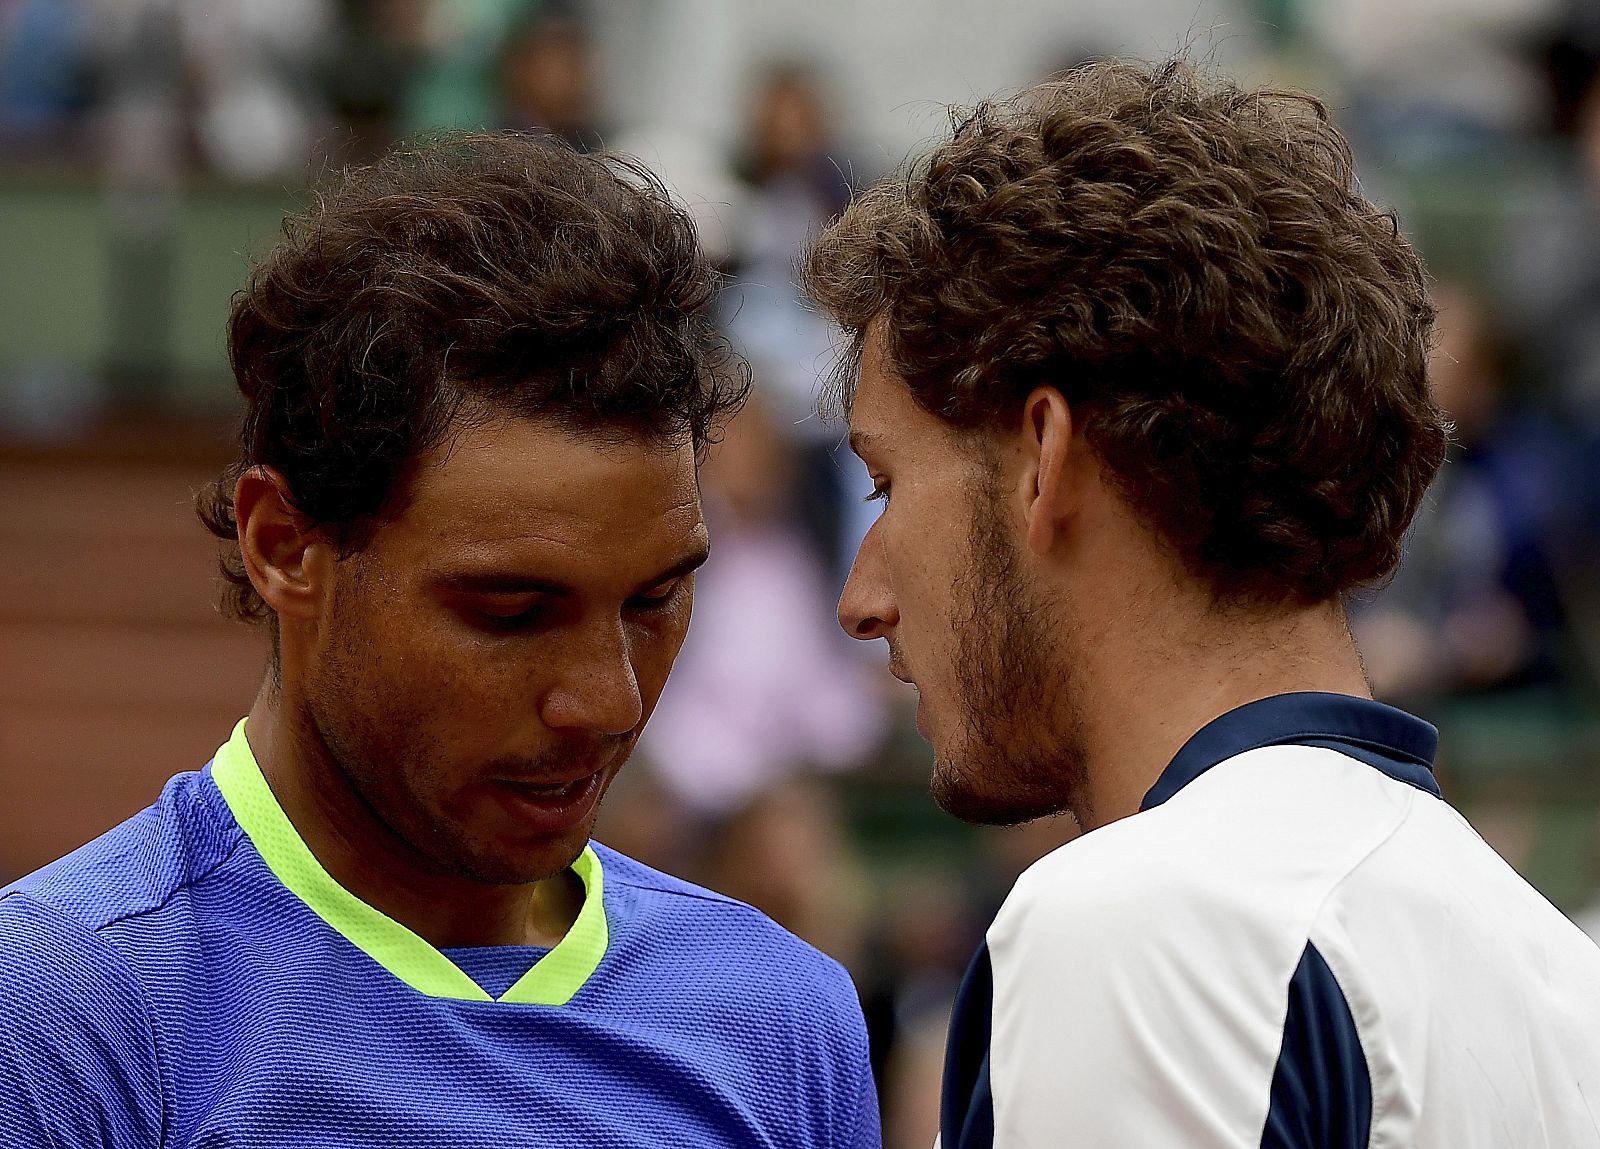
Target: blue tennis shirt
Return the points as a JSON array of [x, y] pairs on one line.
[[194, 977]]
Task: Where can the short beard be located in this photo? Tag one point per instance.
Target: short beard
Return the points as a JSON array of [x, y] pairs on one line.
[[384, 761], [1021, 756]]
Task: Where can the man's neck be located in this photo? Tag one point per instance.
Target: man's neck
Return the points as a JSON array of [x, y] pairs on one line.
[[368, 858], [1152, 689]]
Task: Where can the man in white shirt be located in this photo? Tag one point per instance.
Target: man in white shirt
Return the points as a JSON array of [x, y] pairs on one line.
[[1141, 379]]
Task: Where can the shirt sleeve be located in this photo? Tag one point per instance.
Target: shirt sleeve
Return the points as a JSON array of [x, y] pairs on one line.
[[1155, 1016], [77, 1048], [865, 1131], [869, 1125]]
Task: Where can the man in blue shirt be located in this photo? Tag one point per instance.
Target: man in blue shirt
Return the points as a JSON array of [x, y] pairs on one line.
[[1140, 377], [477, 379]]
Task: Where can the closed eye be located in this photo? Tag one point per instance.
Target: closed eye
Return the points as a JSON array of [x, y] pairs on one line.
[[523, 620], [511, 612], [658, 597]]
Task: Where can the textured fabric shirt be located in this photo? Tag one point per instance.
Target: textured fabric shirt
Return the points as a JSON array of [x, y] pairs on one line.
[[1295, 944], [194, 977]]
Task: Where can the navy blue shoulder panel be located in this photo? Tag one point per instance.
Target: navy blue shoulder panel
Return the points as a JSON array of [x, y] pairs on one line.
[[1321, 1090], [966, 1106]]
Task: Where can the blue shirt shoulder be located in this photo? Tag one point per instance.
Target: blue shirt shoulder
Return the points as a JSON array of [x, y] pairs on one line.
[[137, 867], [170, 988], [78, 1060]]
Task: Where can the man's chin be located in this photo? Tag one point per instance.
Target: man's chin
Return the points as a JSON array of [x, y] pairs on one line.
[[520, 865], [957, 794]]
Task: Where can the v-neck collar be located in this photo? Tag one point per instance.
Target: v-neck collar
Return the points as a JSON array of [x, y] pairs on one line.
[[553, 980]]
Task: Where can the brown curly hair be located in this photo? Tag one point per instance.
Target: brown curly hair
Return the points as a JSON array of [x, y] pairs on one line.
[[1190, 263], [469, 275]]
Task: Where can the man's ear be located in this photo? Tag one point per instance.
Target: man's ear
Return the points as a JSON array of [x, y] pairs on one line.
[[1046, 441], [288, 561]]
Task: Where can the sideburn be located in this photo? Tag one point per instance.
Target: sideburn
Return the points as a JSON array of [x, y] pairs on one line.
[[1023, 754]]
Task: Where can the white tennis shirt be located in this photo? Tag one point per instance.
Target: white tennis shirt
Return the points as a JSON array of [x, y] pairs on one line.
[[1295, 943]]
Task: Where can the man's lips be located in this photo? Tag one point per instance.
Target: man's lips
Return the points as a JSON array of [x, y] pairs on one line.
[[551, 807], [569, 769], [550, 785]]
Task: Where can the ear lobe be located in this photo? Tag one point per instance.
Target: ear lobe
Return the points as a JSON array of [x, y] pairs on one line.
[[277, 544], [1046, 432]]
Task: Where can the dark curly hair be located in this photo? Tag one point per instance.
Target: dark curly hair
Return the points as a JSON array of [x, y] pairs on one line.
[[464, 277], [1244, 336]]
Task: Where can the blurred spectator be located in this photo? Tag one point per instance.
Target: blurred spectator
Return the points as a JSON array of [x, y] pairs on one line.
[[789, 162], [643, 820], [367, 76], [44, 72], [1477, 602], [143, 111], [1549, 278], [143, 127], [547, 82], [912, 1081], [454, 47], [926, 926], [1552, 267], [256, 67], [1428, 78], [234, 84], [765, 686], [795, 183]]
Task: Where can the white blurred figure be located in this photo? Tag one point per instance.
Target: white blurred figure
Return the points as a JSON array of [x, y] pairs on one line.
[[1435, 73], [235, 80], [256, 62]]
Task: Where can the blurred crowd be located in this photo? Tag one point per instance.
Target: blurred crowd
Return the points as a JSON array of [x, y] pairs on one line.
[[780, 766]]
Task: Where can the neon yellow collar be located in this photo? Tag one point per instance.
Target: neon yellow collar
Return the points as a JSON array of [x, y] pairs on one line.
[[552, 980]]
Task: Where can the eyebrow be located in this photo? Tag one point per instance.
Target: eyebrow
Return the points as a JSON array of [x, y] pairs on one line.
[[517, 584], [862, 441], [687, 565]]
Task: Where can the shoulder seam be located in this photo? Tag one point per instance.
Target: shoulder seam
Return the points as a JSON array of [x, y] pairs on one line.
[[708, 896], [734, 905], [187, 883], [1411, 793]]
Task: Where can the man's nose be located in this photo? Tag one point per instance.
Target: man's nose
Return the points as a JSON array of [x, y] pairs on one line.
[[597, 690], [867, 608]]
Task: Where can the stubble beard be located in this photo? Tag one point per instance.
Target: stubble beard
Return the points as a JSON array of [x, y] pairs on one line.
[[1020, 754], [383, 759]]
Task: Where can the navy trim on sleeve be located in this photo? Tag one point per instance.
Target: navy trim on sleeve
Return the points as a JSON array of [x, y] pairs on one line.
[[1321, 1089], [966, 1107]]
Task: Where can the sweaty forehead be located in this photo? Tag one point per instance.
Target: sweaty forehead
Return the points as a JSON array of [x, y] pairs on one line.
[[524, 482]]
